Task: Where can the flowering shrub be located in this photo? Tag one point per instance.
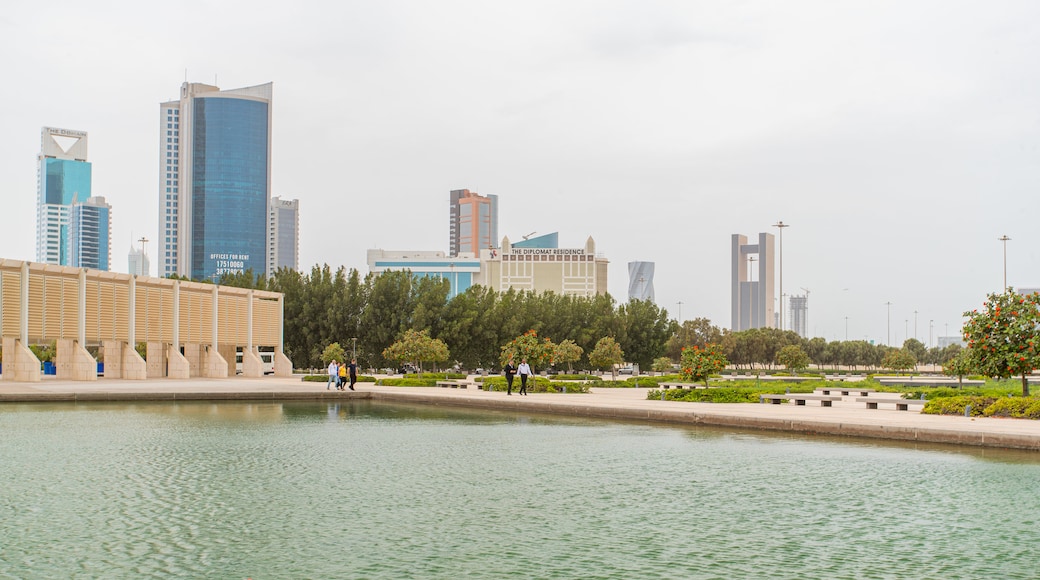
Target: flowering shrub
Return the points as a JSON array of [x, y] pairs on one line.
[[697, 363]]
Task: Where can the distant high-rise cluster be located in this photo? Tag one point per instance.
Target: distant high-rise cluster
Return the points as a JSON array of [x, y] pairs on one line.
[[72, 226], [752, 282], [474, 222]]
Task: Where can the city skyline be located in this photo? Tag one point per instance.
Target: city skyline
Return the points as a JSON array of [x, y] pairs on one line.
[[897, 146]]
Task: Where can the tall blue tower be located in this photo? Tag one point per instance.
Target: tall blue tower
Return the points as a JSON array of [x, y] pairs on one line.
[[215, 181]]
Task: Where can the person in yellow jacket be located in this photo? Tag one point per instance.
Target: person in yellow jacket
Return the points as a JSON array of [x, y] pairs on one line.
[[342, 376]]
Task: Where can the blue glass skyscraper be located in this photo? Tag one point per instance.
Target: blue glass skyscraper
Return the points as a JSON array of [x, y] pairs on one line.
[[214, 195], [63, 179]]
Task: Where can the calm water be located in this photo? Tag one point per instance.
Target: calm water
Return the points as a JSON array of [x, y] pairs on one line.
[[375, 491]]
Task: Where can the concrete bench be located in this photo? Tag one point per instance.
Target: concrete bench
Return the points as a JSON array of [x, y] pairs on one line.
[[846, 391], [901, 404], [680, 386], [454, 384], [800, 399]]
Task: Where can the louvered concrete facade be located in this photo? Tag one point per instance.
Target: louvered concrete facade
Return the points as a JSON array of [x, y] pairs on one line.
[[190, 329]]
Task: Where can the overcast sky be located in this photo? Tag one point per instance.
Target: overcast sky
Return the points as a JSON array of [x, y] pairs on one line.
[[898, 139]]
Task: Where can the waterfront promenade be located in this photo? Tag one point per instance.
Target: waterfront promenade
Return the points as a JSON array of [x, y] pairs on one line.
[[845, 418]]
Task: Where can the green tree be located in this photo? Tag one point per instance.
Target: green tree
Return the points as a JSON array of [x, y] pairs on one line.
[[607, 353], [698, 364], [916, 348], [958, 366], [662, 364], [333, 352], [645, 329], [793, 358], [696, 332], [538, 352], [567, 352], [899, 359], [1003, 337], [416, 346]]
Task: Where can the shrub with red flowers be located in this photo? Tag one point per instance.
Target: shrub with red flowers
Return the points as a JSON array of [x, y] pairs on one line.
[[699, 363], [537, 351], [1003, 338]]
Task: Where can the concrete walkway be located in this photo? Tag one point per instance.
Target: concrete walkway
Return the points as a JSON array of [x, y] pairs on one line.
[[846, 417]]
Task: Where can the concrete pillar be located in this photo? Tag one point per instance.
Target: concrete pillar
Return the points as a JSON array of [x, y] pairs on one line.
[[81, 332], [156, 360], [212, 365], [192, 353], [73, 362], [113, 358], [20, 364], [283, 367], [24, 326], [228, 352], [178, 367], [252, 366], [134, 367]]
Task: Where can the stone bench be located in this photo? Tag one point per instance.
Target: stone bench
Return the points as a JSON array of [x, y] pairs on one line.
[[800, 399], [454, 384], [680, 386], [901, 404], [846, 391]]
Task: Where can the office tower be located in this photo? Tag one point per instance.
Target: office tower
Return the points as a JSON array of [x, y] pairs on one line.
[[641, 281], [752, 282], [215, 181], [474, 222], [137, 260], [63, 178], [90, 234], [283, 235], [799, 314]]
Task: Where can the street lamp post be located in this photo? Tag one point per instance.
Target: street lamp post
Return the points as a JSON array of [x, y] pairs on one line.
[[1005, 240], [353, 348], [915, 325], [680, 311], [930, 322], [888, 338], [781, 225], [846, 329]]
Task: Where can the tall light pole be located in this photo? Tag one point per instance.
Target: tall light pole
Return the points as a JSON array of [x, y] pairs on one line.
[[915, 325], [930, 333], [680, 311], [781, 225], [888, 339], [1004, 239], [353, 349], [846, 329]]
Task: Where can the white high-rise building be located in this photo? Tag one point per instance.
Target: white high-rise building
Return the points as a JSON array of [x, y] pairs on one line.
[[283, 238], [137, 261], [63, 179]]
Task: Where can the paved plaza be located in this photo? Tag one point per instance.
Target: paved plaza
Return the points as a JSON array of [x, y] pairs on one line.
[[846, 417]]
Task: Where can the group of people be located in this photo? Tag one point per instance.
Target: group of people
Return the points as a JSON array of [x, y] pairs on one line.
[[523, 370], [339, 373]]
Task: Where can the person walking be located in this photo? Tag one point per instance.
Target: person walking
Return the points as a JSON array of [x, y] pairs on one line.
[[333, 375], [510, 372], [353, 372], [342, 376], [524, 370]]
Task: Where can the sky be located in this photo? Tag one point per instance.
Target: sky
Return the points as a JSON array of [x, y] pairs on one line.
[[898, 139]]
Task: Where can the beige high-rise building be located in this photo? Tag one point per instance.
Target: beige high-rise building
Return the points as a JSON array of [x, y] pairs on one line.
[[570, 271]]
